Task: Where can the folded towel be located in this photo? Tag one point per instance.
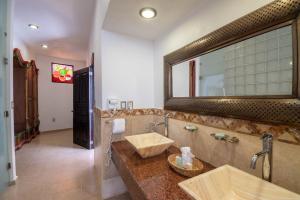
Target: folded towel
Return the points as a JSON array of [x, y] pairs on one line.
[[118, 126]]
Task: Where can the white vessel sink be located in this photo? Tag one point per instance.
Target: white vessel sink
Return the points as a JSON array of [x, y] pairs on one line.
[[149, 144], [229, 183]]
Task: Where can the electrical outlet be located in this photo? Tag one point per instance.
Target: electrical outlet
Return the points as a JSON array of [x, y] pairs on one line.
[[53, 119]]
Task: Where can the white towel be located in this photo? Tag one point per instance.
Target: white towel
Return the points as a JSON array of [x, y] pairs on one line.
[[118, 126]]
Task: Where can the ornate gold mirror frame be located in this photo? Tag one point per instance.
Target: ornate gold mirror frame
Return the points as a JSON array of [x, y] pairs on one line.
[[270, 109]]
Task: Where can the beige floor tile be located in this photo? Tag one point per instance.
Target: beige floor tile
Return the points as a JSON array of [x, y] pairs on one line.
[[51, 167], [124, 196], [75, 194]]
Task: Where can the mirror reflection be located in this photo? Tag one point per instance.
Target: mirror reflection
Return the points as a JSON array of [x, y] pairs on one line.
[[261, 65]]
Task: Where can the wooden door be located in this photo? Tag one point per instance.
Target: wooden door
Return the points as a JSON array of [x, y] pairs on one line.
[[81, 109]]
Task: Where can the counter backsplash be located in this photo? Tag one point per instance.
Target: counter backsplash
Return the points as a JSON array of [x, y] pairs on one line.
[[281, 132]]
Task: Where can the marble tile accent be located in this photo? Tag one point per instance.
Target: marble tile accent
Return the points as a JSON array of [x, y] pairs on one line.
[[134, 125], [123, 113], [286, 159], [239, 126], [137, 123], [236, 125], [98, 160]]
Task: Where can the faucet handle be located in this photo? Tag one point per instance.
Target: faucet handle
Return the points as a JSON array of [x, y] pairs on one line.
[[152, 123], [167, 114], [253, 161], [267, 140], [267, 135]]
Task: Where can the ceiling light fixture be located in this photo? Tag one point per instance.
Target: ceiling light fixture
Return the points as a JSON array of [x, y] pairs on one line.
[[44, 46], [148, 13], [33, 26]]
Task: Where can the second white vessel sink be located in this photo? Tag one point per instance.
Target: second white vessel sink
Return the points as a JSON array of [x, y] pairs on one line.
[[229, 183]]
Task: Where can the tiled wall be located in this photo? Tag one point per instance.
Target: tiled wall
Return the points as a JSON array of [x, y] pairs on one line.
[[260, 65], [286, 156], [98, 159], [137, 122], [134, 125], [286, 159]]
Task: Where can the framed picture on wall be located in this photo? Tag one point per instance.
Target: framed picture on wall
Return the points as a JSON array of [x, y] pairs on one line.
[[62, 73]]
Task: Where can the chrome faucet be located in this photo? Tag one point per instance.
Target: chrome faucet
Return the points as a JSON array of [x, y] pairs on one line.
[[165, 123], [267, 154]]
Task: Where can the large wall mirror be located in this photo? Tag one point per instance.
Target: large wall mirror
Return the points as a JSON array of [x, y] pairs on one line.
[[247, 69], [258, 66]]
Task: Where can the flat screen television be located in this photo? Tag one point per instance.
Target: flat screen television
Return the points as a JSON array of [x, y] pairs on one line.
[[62, 73]]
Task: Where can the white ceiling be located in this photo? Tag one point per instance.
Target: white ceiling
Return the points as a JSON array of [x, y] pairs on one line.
[[65, 25], [123, 16]]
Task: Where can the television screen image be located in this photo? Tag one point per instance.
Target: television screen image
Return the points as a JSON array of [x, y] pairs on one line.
[[62, 73]]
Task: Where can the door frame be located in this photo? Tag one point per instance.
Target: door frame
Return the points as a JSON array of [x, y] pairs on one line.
[[92, 99], [9, 93]]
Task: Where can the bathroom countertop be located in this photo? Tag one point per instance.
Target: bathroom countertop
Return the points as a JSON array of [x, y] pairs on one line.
[[150, 178]]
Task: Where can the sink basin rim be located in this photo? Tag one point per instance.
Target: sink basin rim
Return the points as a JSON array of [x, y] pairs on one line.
[[147, 148], [206, 179], [168, 140]]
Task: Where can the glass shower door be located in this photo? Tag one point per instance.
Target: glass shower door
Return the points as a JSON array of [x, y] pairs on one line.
[[4, 176]]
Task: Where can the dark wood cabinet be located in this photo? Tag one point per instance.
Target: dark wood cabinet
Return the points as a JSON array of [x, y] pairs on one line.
[[19, 85], [35, 105], [25, 81]]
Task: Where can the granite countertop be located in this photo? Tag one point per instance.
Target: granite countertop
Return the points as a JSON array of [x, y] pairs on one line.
[[151, 178]]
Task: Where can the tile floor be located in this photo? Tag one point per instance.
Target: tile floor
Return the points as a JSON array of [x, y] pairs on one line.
[[124, 196], [52, 168]]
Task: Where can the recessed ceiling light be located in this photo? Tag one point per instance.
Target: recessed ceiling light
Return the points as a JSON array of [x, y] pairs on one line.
[[33, 26], [148, 13], [44, 46]]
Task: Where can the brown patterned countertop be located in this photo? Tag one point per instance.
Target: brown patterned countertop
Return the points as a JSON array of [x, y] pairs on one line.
[[151, 178]]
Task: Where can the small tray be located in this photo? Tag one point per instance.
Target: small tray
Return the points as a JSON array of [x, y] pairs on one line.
[[196, 169]]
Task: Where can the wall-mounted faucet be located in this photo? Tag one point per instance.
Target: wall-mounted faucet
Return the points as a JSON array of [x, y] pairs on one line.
[[165, 123], [267, 154]]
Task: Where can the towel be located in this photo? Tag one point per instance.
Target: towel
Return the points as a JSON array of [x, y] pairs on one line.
[[118, 126]]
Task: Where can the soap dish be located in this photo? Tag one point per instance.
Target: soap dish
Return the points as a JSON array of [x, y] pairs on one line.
[[196, 169], [191, 128], [224, 137]]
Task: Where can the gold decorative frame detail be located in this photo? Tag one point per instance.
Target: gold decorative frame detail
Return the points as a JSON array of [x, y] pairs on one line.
[[283, 109]]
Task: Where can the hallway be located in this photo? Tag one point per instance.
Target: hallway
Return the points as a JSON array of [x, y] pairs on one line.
[[52, 167]]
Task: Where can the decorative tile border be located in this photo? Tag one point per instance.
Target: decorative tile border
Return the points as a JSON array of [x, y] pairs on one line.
[[281, 132], [124, 113]]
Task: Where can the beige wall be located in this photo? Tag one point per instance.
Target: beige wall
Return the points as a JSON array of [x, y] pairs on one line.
[[55, 99], [130, 76], [108, 176], [286, 159], [95, 47], [27, 53], [98, 158]]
